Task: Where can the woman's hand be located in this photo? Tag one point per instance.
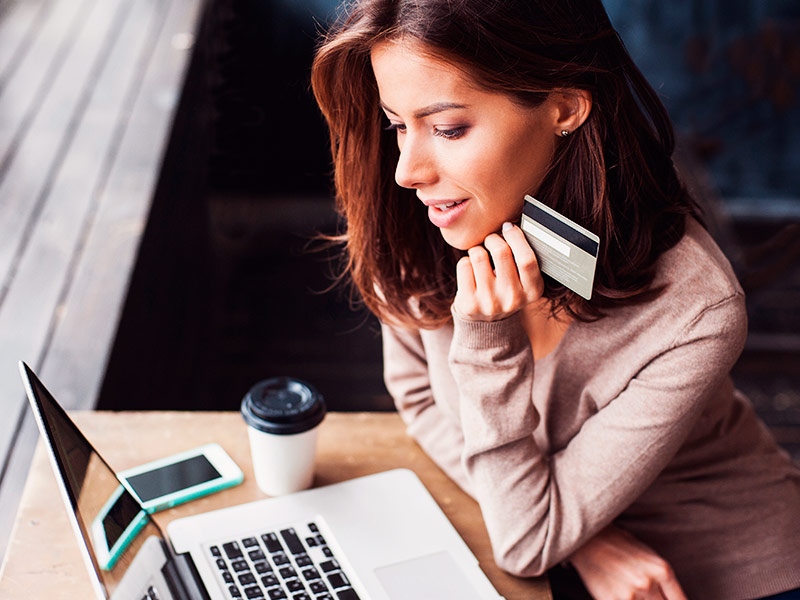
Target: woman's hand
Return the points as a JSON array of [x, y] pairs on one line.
[[490, 295], [614, 565]]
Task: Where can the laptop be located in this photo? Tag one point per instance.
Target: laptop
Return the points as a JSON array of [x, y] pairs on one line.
[[379, 537]]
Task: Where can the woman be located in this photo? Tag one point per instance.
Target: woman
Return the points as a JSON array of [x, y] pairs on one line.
[[605, 433]]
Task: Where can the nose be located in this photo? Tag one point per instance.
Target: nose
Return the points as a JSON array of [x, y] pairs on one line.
[[416, 165]]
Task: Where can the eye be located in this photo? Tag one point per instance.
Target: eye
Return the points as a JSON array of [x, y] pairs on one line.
[[399, 127], [452, 133]]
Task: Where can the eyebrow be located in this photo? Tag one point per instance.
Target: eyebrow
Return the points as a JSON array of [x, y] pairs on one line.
[[431, 109]]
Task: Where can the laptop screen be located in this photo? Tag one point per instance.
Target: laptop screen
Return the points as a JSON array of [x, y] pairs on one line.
[[112, 524]]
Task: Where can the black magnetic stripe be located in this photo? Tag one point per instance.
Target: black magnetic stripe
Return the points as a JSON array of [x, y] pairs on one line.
[[557, 226]]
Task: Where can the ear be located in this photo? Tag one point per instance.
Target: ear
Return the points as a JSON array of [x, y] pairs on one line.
[[572, 108]]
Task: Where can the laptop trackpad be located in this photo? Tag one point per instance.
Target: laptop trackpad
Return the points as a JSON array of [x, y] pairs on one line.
[[431, 577]]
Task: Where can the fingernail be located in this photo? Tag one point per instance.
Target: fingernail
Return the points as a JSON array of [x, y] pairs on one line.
[[507, 226]]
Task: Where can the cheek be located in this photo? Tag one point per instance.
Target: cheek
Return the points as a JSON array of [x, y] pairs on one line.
[[482, 164], [511, 166], [529, 160]]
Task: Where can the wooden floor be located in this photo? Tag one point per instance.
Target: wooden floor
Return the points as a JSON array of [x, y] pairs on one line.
[[88, 94]]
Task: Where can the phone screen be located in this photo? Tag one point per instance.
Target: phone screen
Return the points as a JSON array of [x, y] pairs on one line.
[[173, 477], [119, 517]]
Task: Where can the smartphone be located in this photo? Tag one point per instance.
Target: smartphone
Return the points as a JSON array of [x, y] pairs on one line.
[[115, 526], [170, 481], [155, 486]]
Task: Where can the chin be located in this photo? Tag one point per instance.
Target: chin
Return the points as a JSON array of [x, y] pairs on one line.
[[460, 241]]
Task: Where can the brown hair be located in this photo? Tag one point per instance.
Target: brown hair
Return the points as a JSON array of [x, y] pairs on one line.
[[614, 175]]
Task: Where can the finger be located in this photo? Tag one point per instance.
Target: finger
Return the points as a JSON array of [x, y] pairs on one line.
[[672, 590], [481, 268], [662, 573], [504, 266], [528, 267], [465, 278], [656, 594]]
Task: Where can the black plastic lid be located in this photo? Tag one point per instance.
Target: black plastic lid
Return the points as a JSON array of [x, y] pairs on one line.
[[283, 405]]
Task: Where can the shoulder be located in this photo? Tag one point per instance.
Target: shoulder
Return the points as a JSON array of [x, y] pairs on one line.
[[696, 269], [694, 293], [698, 284], [691, 328]]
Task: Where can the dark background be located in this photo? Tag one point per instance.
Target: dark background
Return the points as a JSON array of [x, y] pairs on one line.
[[230, 285]]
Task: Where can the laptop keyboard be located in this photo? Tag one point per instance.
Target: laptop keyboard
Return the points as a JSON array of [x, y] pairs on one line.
[[295, 563]]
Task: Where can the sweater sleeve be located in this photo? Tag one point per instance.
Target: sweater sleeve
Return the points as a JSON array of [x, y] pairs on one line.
[[539, 509], [405, 371]]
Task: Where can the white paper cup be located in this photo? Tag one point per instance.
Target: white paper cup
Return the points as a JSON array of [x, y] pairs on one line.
[[283, 463], [283, 415]]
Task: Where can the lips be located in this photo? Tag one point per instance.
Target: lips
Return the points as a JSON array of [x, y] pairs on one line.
[[447, 205], [443, 213]]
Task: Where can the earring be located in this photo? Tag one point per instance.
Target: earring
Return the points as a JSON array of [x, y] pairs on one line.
[[564, 132]]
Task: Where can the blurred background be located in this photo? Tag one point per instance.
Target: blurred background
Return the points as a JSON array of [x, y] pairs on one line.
[[227, 291]]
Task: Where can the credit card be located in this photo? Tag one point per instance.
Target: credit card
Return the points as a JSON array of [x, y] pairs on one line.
[[566, 251]]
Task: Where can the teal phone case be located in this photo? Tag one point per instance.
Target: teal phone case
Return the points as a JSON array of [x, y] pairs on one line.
[[230, 476], [107, 557]]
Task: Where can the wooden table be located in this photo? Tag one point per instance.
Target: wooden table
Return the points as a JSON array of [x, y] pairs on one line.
[[43, 559]]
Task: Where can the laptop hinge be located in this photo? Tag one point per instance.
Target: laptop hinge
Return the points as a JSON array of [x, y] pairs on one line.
[[183, 579]]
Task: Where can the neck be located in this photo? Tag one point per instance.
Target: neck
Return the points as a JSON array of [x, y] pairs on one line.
[[544, 330]]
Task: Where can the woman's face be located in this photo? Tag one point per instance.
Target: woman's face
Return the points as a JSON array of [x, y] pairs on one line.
[[470, 154]]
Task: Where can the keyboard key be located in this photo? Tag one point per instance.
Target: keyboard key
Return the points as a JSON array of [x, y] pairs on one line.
[[295, 585], [253, 592], [338, 580], [292, 541], [318, 587], [256, 555], [330, 565], [232, 550], [303, 560], [262, 567], [280, 559], [283, 566], [269, 580], [240, 565], [272, 542]]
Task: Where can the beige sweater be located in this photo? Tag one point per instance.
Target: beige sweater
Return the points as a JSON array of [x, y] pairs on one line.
[[631, 419]]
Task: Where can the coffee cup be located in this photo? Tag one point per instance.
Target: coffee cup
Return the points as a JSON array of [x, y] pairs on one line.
[[282, 416]]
